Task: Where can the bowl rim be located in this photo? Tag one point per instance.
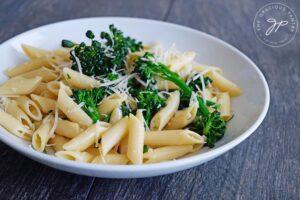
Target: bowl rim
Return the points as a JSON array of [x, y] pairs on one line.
[[188, 161]]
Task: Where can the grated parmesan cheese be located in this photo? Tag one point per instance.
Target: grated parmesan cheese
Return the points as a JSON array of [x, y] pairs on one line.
[[77, 62]]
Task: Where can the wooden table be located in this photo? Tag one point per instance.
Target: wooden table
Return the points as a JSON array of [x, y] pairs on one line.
[[265, 166]]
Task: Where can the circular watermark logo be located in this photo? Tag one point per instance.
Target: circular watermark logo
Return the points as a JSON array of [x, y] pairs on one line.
[[275, 24]]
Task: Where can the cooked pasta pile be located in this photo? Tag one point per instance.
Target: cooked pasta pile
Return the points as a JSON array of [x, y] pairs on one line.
[[116, 101]]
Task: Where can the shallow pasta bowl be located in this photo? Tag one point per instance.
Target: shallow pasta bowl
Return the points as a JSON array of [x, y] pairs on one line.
[[249, 109]]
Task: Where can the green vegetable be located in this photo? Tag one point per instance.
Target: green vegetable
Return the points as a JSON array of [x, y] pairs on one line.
[[147, 69], [102, 58], [209, 124], [119, 45], [67, 44], [151, 102], [145, 149], [90, 99]]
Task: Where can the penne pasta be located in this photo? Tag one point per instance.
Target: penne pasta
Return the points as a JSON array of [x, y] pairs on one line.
[[224, 84], [75, 156], [116, 115], [30, 65], [29, 107], [114, 135], [72, 110], [225, 107], [166, 153], [162, 117], [45, 73], [165, 85], [172, 137], [19, 86], [13, 109], [14, 126], [79, 81], [45, 104], [34, 52], [87, 138], [182, 118], [109, 103], [42, 135], [67, 128], [135, 140]]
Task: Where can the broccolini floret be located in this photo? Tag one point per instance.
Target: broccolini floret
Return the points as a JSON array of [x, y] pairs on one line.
[[90, 100], [102, 58]]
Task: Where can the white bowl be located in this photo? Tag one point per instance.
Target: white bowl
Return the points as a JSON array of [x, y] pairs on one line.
[[249, 109]]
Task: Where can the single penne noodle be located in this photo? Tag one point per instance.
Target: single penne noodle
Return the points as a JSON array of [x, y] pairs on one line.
[[182, 118], [14, 126], [176, 63], [75, 156], [135, 140], [45, 73], [224, 84], [57, 142], [166, 153], [205, 68], [72, 110], [108, 104], [34, 52], [29, 107], [48, 94], [27, 67], [116, 115], [162, 117], [165, 85], [19, 86], [42, 135], [111, 159], [172, 137], [67, 128], [54, 87], [45, 104], [87, 138], [40, 88], [114, 135], [123, 145], [225, 105], [78, 80], [13, 109]]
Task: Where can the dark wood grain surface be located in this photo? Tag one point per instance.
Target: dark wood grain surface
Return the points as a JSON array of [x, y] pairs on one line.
[[265, 166]]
